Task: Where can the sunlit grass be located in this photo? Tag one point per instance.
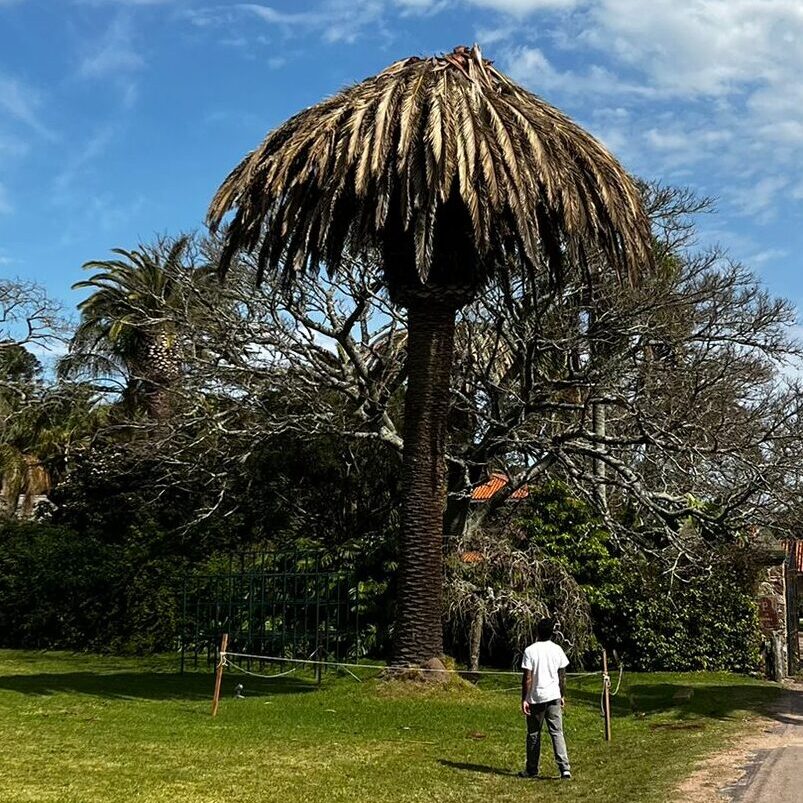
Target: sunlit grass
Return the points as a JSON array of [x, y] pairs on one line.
[[81, 729]]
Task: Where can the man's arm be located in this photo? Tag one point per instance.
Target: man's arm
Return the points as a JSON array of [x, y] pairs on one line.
[[562, 682], [526, 678]]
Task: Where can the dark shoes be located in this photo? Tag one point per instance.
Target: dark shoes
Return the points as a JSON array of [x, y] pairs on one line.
[[564, 776]]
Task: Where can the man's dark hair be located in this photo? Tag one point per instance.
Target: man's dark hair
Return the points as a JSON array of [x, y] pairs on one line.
[[546, 627]]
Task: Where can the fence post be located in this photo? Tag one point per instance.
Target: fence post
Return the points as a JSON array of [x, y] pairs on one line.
[[224, 643], [606, 696]]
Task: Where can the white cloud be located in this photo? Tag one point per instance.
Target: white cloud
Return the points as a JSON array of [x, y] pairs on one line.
[[422, 7], [332, 20], [759, 197], [80, 159], [710, 83], [524, 7], [21, 103], [124, 2], [114, 54]]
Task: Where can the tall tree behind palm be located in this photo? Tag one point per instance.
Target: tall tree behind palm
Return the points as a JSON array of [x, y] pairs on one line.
[[455, 175], [126, 326]]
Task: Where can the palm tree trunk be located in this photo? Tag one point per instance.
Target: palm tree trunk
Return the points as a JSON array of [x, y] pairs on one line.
[[418, 634]]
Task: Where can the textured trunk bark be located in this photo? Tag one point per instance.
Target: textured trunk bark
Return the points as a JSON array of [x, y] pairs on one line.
[[156, 369], [418, 634], [475, 641], [600, 469]]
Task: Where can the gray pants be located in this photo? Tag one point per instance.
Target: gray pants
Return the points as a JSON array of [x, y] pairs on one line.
[[553, 714]]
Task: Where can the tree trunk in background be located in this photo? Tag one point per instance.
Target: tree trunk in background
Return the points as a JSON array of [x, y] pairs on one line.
[[418, 634], [458, 503], [475, 641], [600, 469]]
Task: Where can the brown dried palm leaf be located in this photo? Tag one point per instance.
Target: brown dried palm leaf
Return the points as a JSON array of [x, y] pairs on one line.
[[443, 164]]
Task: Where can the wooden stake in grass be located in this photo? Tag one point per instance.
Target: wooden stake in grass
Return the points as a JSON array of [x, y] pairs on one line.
[[224, 643], [606, 696]]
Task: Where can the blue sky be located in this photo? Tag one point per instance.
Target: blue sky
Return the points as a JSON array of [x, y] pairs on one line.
[[119, 118]]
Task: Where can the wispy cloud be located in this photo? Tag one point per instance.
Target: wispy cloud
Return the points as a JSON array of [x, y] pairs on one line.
[[524, 7], [123, 2], [79, 160], [332, 20], [20, 103], [114, 54], [705, 82]]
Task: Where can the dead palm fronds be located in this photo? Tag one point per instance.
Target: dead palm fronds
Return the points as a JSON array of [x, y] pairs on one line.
[[425, 149]]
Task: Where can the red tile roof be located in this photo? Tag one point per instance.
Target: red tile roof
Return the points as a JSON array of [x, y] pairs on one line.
[[482, 493]]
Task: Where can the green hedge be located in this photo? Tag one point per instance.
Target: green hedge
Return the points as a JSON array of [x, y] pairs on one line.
[[707, 621], [59, 588]]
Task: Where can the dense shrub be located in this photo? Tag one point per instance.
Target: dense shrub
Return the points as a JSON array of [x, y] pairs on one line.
[[707, 621], [59, 588]]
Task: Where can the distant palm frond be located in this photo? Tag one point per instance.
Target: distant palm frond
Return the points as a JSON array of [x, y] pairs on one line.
[[444, 164]]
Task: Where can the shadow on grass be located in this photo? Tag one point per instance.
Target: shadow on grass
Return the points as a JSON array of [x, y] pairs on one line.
[[484, 769], [144, 685], [711, 701], [481, 768]]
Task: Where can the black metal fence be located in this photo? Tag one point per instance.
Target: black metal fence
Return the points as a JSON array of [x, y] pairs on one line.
[[280, 605]]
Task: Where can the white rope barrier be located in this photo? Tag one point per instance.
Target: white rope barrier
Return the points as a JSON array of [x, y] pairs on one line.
[[224, 657], [258, 674]]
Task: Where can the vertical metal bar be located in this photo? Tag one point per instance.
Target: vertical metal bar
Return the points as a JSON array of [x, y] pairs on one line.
[[606, 696], [356, 613], [182, 633], [318, 655]]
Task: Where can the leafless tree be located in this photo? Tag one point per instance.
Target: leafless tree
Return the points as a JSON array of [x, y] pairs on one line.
[[674, 402]]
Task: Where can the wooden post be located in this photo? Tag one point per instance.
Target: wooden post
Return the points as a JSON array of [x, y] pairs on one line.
[[224, 642], [606, 696]]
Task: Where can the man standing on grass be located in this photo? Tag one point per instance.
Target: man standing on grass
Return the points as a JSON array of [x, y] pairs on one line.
[[543, 691]]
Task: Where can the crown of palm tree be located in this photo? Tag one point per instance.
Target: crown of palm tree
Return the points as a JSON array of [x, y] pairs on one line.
[[129, 299], [445, 165]]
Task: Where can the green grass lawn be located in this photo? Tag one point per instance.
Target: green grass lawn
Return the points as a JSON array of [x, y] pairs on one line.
[[81, 729]]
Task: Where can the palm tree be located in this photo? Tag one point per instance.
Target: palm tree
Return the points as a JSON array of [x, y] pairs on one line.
[[126, 326], [39, 426], [454, 175]]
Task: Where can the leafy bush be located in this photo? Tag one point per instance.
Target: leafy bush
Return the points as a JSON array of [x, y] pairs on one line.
[[707, 621], [62, 589]]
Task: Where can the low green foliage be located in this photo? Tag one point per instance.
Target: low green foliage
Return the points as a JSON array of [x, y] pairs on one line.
[[704, 620], [84, 729]]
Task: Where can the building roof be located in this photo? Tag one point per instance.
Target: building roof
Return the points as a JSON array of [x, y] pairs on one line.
[[497, 481]]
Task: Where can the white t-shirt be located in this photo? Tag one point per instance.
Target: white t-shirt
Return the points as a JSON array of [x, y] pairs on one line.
[[544, 659]]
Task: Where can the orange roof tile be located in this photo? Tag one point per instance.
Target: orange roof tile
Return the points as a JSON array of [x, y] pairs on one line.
[[497, 481]]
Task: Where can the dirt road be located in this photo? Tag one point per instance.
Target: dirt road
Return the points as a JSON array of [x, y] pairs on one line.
[[775, 771], [766, 766]]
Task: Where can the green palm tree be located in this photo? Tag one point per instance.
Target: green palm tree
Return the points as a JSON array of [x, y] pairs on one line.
[[126, 326], [39, 426], [454, 175]]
